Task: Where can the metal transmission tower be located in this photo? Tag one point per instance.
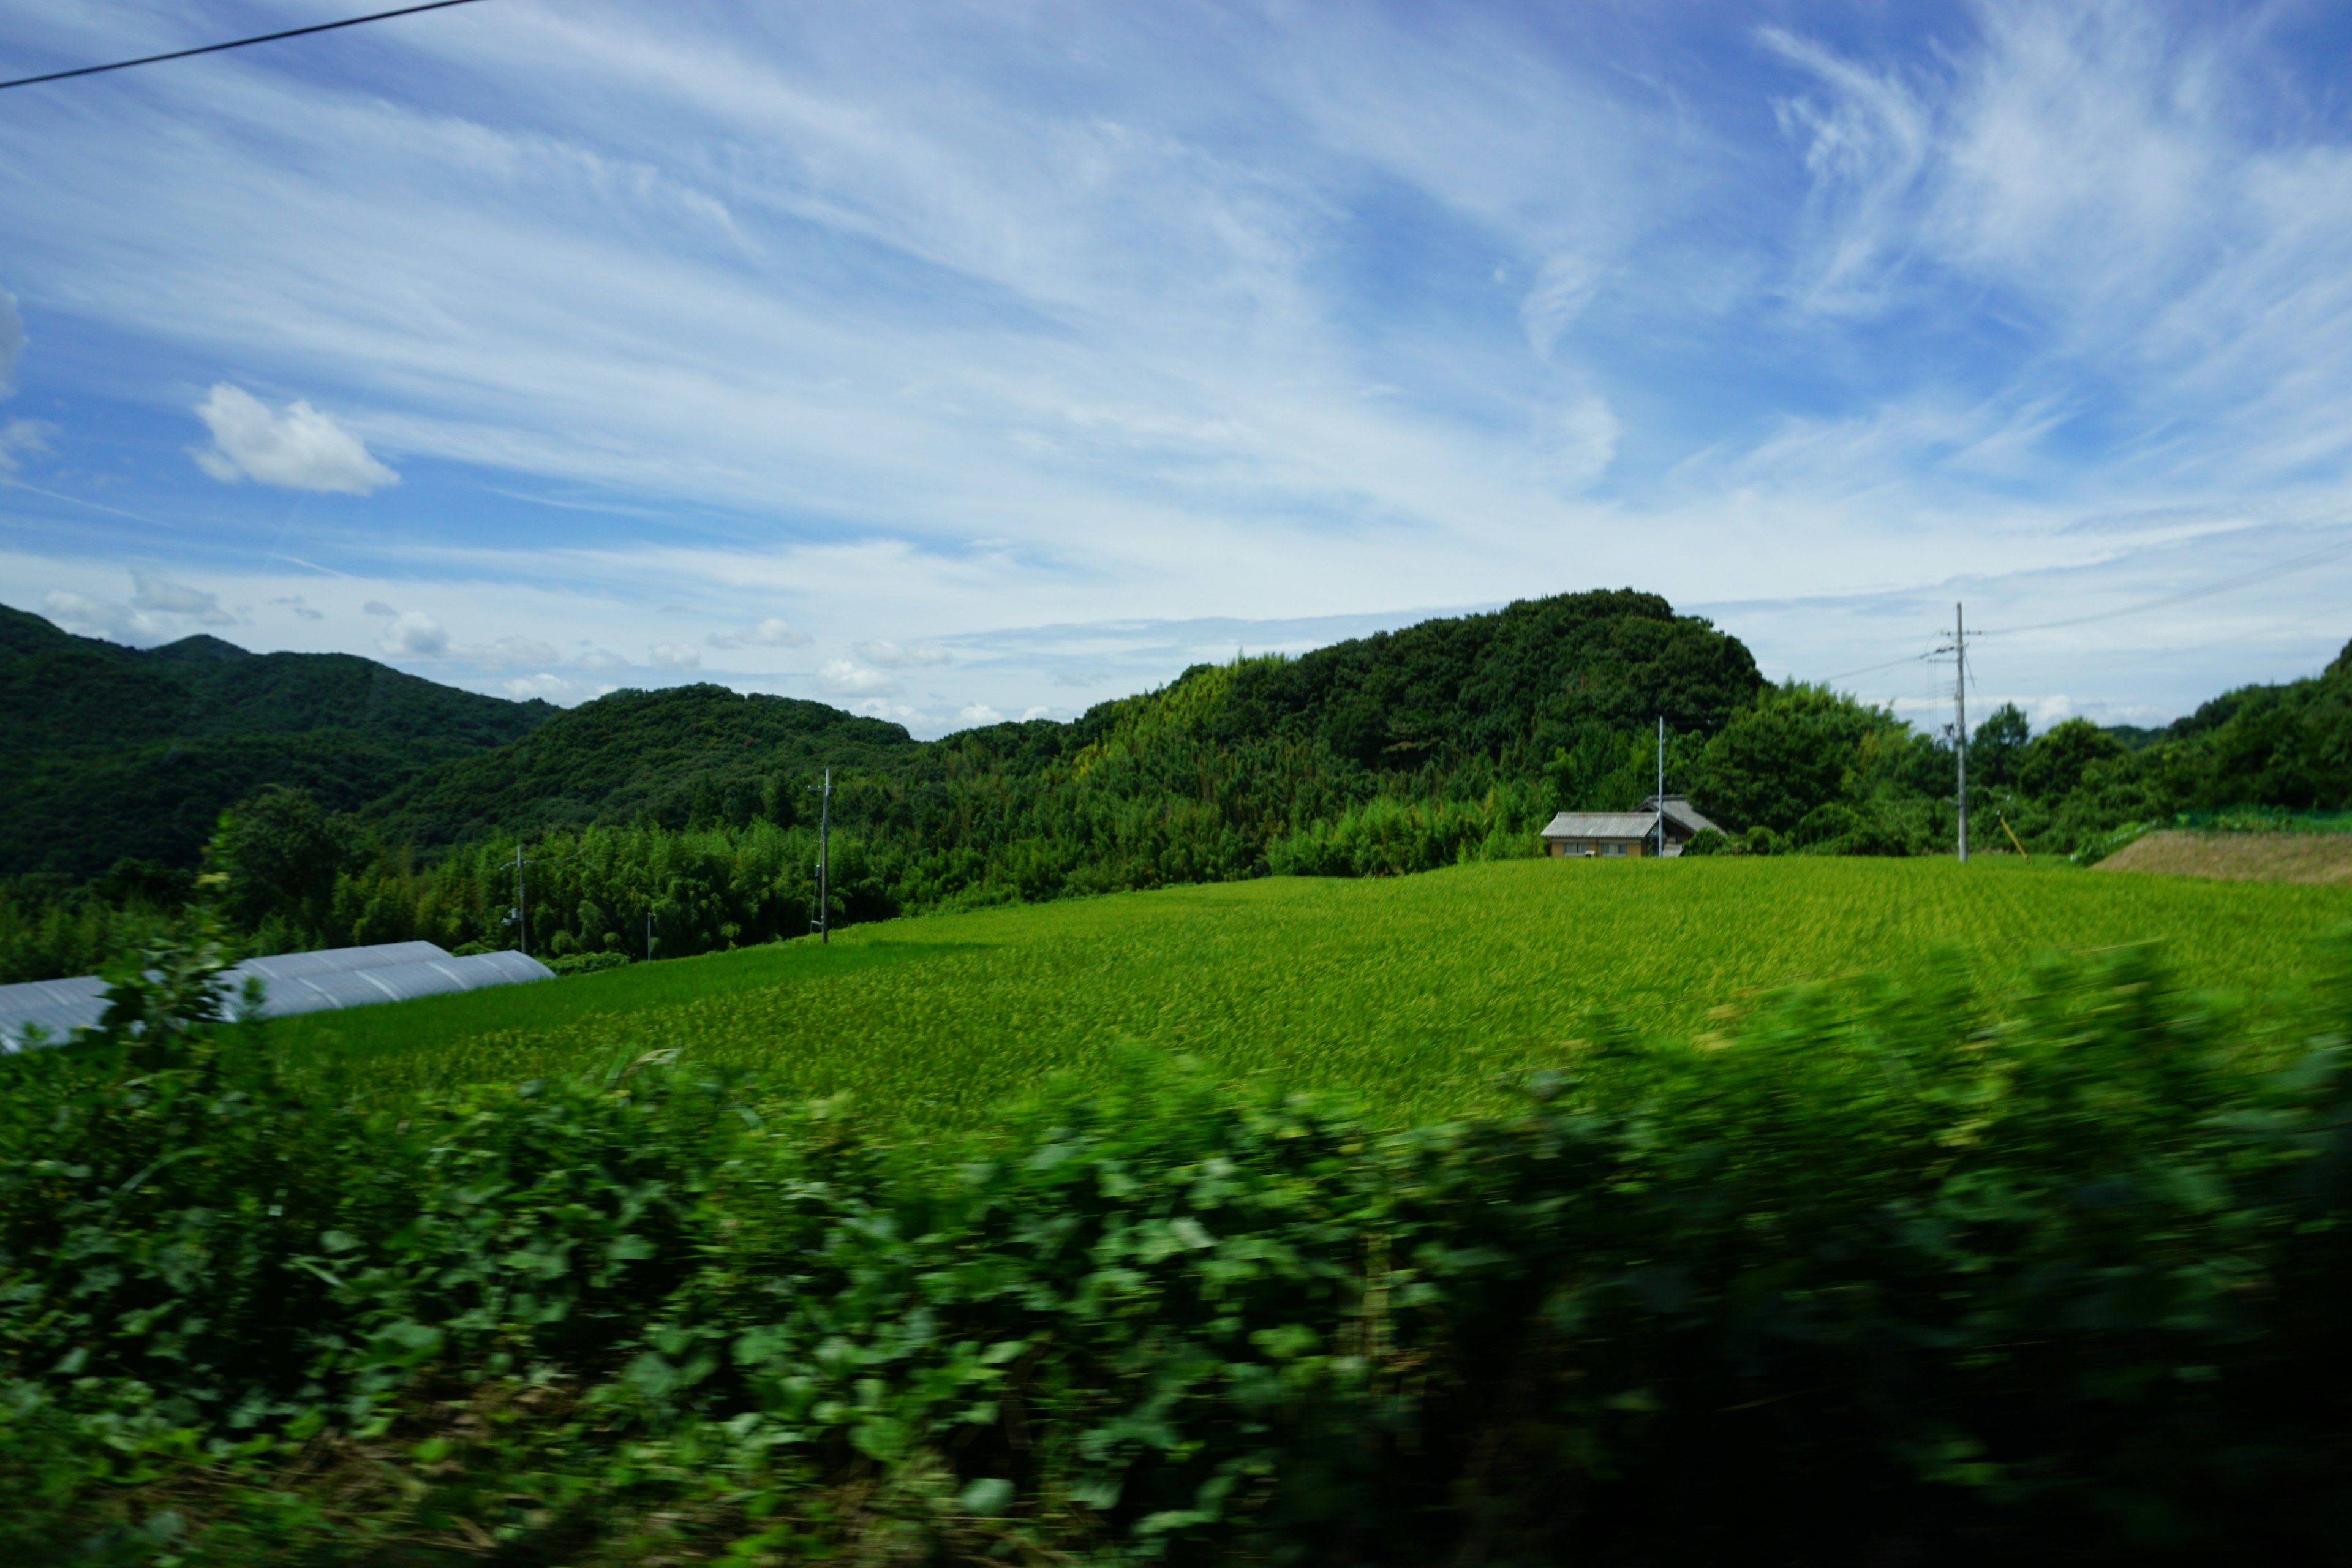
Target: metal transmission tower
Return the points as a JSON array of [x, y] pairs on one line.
[[824, 921], [1958, 648]]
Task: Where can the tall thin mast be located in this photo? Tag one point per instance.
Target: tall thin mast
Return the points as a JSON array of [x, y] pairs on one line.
[[824, 921], [1960, 702]]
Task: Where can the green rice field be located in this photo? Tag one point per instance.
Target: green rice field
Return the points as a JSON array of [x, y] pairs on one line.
[[1414, 994]]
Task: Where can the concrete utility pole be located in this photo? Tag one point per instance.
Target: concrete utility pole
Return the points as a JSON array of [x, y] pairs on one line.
[[1958, 649], [824, 921], [1661, 786], [523, 904]]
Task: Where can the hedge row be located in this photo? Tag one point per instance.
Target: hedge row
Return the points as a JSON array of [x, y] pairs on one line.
[[1871, 1279]]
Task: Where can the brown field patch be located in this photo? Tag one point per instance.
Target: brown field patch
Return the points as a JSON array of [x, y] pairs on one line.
[[2322, 858]]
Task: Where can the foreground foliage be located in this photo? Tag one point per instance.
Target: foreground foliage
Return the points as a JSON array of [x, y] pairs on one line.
[[1871, 1273]]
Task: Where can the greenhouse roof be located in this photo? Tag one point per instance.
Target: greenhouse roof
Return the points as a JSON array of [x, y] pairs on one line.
[[294, 983]]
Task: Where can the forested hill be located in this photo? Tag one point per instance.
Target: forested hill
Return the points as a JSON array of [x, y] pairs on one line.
[[1505, 690], [685, 816], [682, 754], [112, 751]]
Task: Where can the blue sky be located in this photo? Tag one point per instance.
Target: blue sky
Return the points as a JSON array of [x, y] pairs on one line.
[[950, 361]]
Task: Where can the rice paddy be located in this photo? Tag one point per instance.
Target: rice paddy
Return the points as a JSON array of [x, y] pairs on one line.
[[1415, 994]]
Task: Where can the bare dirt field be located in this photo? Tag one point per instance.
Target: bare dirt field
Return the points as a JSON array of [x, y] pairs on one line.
[[2324, 858]]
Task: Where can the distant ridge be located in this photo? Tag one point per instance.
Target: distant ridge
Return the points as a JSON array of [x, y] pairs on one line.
[[112, 751]]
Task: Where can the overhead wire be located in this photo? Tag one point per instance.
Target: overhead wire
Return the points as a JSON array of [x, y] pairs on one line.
[[2207, 590], [234, 43]]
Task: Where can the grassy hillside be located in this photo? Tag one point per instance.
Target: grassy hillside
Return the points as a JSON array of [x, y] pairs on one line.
[[1413, 992], [114, 752]]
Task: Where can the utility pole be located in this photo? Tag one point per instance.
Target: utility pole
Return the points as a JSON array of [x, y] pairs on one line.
[[1661, 786], [522, 903], [824, 921], [1958, 649]]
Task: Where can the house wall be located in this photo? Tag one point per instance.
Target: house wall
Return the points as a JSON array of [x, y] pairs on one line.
[[1605, 849]]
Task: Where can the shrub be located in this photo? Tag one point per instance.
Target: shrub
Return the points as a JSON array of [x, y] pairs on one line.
[[588, 962], [1872, 1277]]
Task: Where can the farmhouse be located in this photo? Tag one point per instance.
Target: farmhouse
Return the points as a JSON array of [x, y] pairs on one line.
[[1623, 833]]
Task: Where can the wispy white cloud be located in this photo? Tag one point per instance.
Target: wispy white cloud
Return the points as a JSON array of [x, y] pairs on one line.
[[842, 678], [12, 341], [768, 632], [23, 438], [674, 655], [901, 655], [301, 449]]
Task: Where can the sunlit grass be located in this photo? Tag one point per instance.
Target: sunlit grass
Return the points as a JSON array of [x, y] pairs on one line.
[[1414, 994]]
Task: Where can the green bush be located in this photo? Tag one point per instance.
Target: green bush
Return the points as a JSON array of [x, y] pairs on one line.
[[1713, 841], [1868, 1276], [588, 962]]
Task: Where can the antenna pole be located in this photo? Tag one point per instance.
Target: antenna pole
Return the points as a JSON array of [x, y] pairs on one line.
[[1961, 709]]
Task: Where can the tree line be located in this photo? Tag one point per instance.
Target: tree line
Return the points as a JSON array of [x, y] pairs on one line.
[[666, 824]]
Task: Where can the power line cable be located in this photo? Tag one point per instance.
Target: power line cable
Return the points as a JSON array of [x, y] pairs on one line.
[[235, 43], [1868, 669], [2207, 591]]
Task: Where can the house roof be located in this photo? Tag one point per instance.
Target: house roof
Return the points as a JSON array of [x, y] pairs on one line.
[[1683, 814], [1601, 825]]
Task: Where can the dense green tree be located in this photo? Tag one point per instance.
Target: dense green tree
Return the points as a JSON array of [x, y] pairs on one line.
[[1994, 749], [282, 854], [2055, 763]]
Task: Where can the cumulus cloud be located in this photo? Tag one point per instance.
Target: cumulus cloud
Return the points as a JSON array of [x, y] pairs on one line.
[[22, 438], [160, 595], [769, 633], [12, 343], [601, 659], [980, 713], [843, 678], [299, 450], [414, 635], [674, 656], [901, 655], [85, 616], [551, 688]]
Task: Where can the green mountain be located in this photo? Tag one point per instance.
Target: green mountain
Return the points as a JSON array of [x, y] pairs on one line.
[[113, 751], [678, 755], [684, 816]]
